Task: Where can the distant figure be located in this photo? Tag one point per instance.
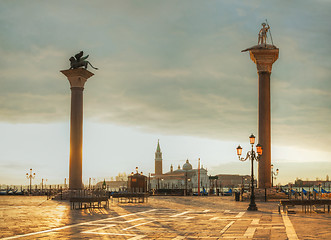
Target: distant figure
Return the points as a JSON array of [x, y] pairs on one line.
[[263, 34], [79, 61]]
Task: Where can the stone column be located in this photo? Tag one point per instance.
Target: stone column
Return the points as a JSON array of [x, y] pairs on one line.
[[264, 57], [77, 79]]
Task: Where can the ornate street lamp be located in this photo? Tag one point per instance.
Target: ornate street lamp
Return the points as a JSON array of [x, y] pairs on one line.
[[30, 176], [273, 175], [251, 155]]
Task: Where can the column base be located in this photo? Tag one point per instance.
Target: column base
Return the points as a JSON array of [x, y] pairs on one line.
[[252, 207]]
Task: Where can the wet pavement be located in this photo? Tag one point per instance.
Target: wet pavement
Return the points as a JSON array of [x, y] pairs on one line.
[[24, 217]]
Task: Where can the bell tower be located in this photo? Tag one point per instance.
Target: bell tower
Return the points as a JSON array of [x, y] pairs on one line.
[[158, 159]]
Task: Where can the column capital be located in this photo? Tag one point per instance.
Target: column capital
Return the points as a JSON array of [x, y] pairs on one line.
[[77, 77], [264, 58]]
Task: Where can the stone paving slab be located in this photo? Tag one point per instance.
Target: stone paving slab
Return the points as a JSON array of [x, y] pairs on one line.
[[24, 217]]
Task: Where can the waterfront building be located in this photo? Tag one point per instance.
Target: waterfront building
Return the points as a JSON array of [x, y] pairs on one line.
[[233, 180], [113, 185], [185, 177]]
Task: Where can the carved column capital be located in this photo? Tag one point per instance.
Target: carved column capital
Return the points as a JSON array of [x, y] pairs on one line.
[[264, 58], [264, 67], [77, 77]]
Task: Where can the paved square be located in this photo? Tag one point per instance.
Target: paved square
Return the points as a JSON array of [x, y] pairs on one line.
[[160, 218]]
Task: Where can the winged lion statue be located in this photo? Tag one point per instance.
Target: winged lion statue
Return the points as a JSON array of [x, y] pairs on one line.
[[80, 61]]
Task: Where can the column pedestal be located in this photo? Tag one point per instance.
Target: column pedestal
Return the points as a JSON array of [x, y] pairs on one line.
[[77, 79]]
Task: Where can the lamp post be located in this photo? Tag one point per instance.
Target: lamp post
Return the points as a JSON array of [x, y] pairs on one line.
[[251, 155], [273, 175], [30, 177], [42, 184], [104, 185], [185, 183], [149, 182], [199, 178], [189, 185]]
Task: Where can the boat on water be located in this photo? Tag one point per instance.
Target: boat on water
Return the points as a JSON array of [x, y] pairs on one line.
[[11, 192]]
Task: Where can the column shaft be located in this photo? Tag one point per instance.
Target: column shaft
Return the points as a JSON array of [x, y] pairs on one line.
[[264, 132], [76, 138], [77, 79]]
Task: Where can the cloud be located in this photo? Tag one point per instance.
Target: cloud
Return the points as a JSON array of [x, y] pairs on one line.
[[171, 68]]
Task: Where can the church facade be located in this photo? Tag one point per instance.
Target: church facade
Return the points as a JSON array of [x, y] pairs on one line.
[[185, 177]]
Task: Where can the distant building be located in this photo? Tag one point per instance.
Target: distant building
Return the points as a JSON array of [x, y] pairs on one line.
[[233, 180], [158, 160], [137, 183], [311, 183], [114, 185], [181, 178]]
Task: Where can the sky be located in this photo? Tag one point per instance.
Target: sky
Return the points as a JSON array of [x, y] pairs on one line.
[[168, 70]]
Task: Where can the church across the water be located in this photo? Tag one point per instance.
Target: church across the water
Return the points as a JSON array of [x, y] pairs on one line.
[[184, 177]]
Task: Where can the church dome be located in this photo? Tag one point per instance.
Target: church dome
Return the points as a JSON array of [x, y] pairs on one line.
[[187, 166]]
